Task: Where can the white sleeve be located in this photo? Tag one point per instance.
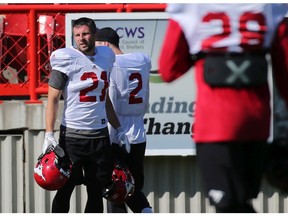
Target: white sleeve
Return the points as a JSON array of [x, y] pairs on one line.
[[60, 61], [113, 87], [122, 81]]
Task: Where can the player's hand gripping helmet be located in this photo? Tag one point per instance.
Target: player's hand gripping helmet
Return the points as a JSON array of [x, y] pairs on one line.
[[52, 169], [277, 168], [122, 187]]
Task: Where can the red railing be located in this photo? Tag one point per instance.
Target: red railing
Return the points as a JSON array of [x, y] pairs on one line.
[[30, 32]]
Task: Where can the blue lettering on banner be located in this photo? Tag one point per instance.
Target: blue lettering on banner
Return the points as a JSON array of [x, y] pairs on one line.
[[130, 32]]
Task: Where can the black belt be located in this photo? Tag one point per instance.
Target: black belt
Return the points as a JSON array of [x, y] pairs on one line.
[[201, 55]]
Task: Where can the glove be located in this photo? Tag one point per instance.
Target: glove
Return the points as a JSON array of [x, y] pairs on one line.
[[122, 139], [49, 140]]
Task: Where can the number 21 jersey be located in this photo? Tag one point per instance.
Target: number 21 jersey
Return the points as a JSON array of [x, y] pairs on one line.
[[86, 87]]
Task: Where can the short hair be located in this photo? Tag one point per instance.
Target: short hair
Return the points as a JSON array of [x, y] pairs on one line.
[[108, 34], [85, 21]]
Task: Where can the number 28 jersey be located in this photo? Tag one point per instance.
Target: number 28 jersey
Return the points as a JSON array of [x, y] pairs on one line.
[[226, 114], [86, 88], [228, 27]]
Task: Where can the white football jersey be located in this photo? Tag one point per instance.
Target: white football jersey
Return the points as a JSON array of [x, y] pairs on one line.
[[227, 26], [87, 85], [129, 93]]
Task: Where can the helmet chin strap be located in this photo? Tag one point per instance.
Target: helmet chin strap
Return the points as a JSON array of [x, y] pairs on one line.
[[59, 151]]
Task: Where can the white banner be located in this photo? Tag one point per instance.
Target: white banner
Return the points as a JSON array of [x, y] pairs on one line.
[[171, 112]]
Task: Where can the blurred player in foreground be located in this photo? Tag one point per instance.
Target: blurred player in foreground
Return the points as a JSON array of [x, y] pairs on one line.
[[228, 45]]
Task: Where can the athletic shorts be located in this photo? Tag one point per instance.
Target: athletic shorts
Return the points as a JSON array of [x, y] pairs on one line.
[[91, 158], [231, 172], [135, 162]]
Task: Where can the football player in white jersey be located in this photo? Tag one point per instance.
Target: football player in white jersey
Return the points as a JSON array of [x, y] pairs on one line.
[[81, 75], [129, 93], [228, 45]]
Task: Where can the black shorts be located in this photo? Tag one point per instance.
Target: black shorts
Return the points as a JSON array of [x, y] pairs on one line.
[[231, 172], [135, 162], [91, 158]]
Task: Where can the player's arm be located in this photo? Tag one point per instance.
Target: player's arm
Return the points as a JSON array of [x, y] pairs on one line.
[[51, 115], [279, 55], [57, 82], [175, 59], [111, 115], [113, 120], [52, 108]]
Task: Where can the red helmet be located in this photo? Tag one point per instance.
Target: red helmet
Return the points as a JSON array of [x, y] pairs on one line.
[[52, 169], [122, 187]]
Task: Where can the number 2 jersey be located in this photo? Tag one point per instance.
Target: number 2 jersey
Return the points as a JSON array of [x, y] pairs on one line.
[[87, 83], [223, 113], [129, 93]]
